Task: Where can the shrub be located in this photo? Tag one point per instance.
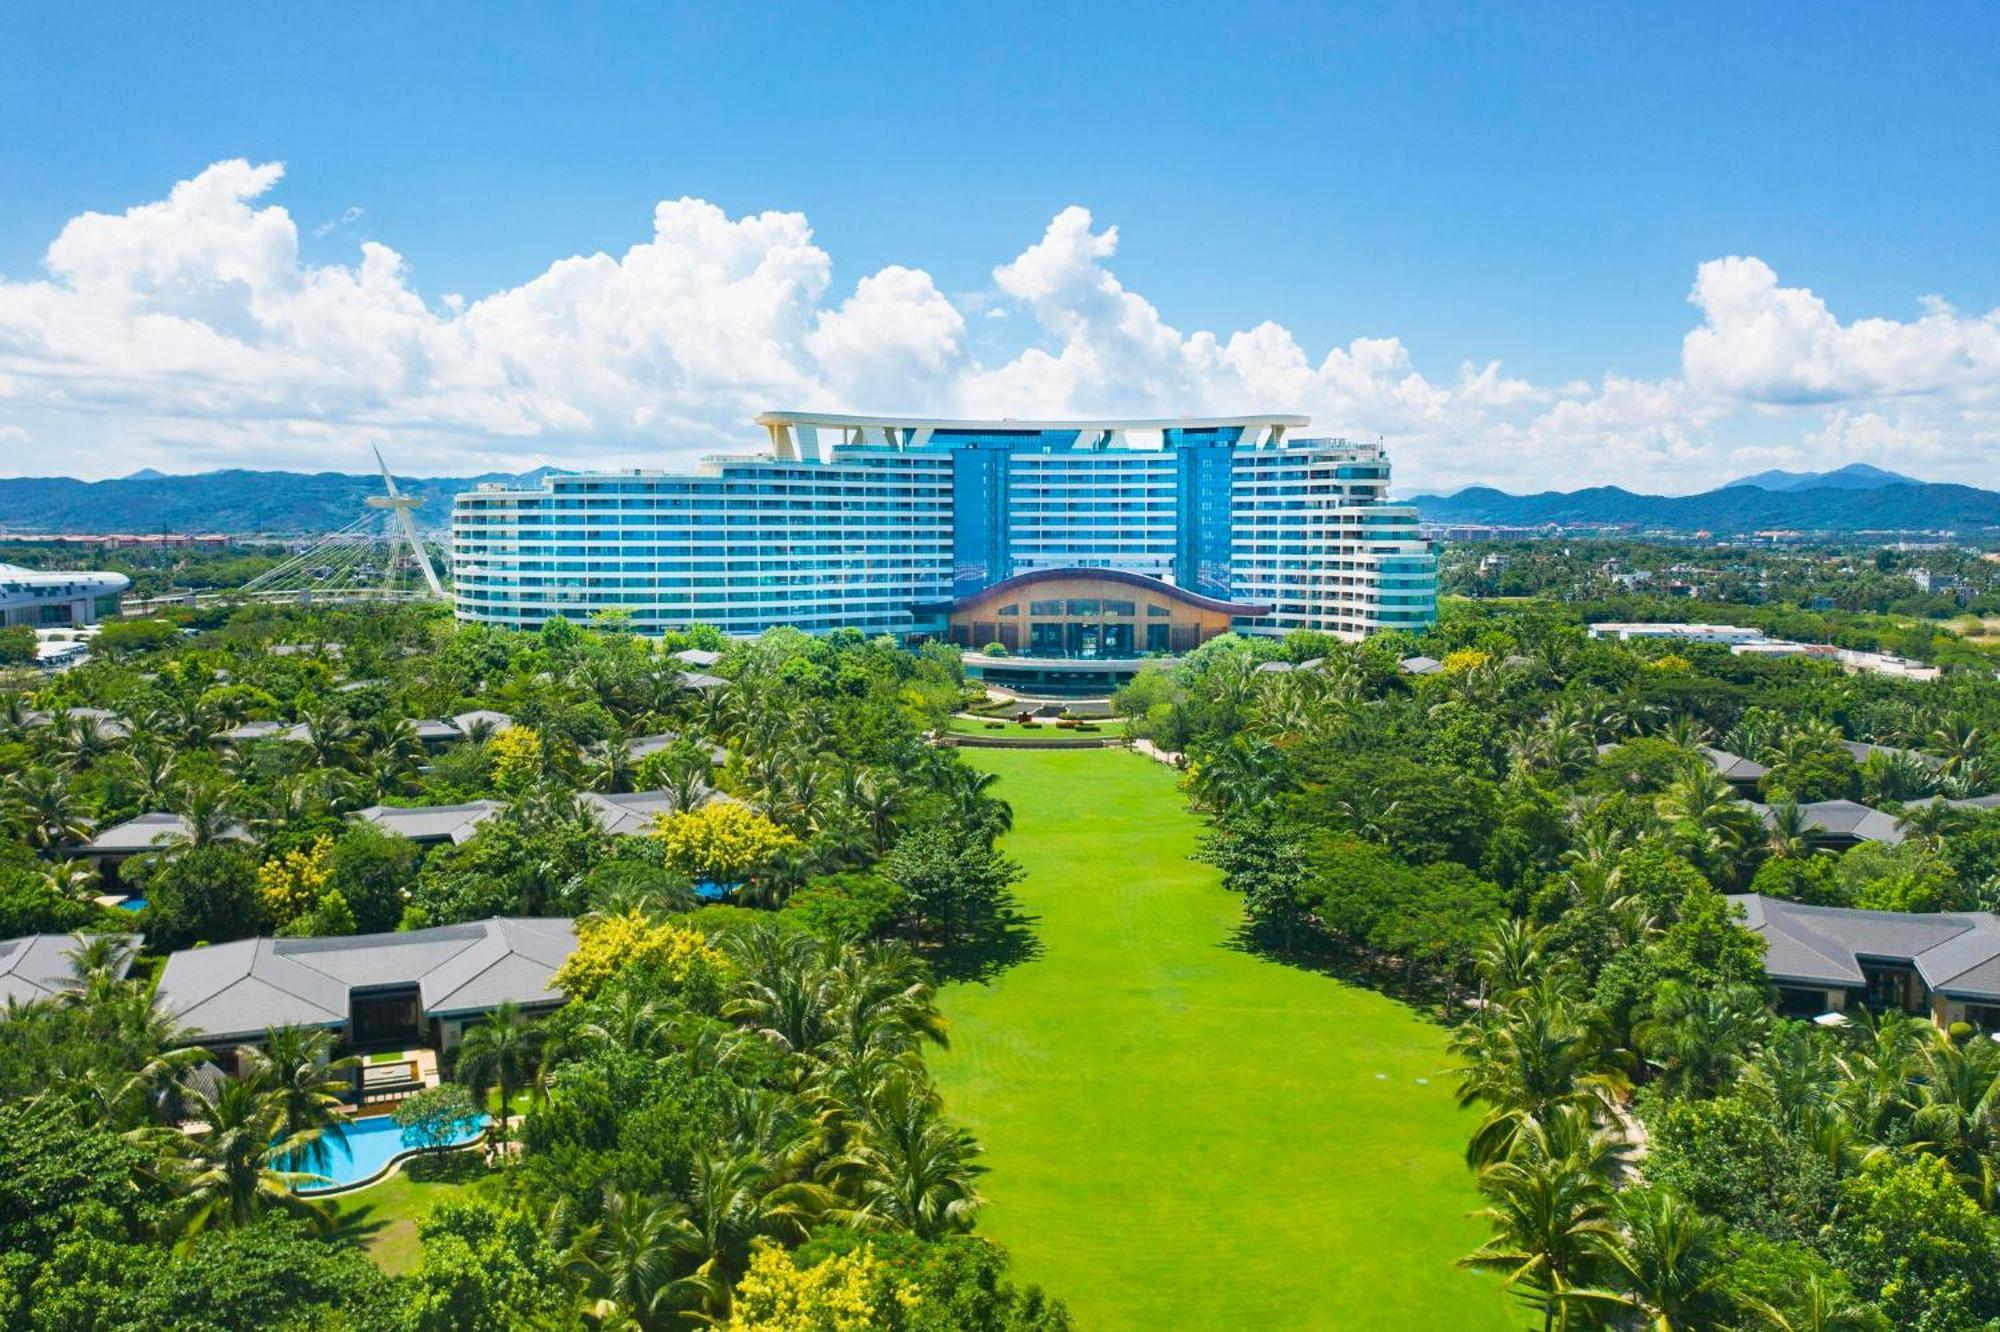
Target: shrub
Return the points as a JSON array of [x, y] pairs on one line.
[[605, 947]]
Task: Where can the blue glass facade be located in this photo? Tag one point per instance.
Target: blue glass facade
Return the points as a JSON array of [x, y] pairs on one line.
[[905, 513]]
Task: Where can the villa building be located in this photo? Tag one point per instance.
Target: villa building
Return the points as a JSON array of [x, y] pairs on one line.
[[898, 526], [373, 991], [1826, 959]]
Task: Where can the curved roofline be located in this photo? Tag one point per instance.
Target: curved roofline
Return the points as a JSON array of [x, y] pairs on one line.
[[837, 419], [1033, 576]]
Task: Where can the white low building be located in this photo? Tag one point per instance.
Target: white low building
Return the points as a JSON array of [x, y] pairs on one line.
[[41, 597]]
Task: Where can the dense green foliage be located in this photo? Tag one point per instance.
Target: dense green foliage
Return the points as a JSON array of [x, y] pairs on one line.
[[734, 1077], [1533, 842]]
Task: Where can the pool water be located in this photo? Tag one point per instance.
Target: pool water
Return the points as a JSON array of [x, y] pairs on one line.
[[371, 1143], [134, 904]]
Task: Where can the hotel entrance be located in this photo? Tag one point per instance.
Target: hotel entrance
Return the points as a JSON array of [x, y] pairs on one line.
[[1085, 615]]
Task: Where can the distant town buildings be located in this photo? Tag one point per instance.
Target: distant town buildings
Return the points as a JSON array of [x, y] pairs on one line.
[[1749, 641]]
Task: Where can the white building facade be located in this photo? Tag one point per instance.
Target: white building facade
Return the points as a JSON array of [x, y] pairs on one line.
[[852, 521], [44, 598]]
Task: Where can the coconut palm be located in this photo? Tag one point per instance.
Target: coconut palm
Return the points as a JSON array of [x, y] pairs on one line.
[[500, 1054], [208, 814], [911, 1169], [1510, 957], [73, 880], [1696, 1034], [1708, 815], [1666, 1265], [1929, 824], [44, 810], [1787, 831], [97, 967], [628, 1264], [1550, 1209], [1956, 1112], [237, 1167], [298, 1067], [1542, 1054], [1816, 1306]]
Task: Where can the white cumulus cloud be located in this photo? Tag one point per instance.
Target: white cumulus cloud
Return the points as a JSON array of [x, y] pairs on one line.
[[189, 332]]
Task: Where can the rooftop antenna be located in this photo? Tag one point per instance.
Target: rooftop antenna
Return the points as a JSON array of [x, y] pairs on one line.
[[403, 527]]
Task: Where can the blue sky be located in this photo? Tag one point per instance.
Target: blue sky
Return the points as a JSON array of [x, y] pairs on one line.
[[1533, 185]]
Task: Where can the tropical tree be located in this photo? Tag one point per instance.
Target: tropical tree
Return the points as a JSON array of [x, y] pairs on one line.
[[298, 1067], [237, 1163], [500, 1054]]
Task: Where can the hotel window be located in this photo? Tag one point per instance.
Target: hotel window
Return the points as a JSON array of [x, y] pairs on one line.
[[1120, 608], [1083, 606], [1151, 609], [1045, 608], [1011, 610]]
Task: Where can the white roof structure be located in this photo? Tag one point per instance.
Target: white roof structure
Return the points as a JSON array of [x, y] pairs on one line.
[[631, 814], [495, 722], [237, 990], [35, 966], [698, 656], [432, 823], [147, 832], [796, 433]]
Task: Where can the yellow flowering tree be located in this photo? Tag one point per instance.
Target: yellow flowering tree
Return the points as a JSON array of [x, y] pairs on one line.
[[847, 1292], [1463, 660], [291, 885], [723, 840], [608, 945], [1672, 663], [517, 757]]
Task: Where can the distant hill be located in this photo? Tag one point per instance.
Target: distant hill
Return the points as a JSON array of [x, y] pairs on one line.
[[1895, 506], [233, 501], [1854, 476]]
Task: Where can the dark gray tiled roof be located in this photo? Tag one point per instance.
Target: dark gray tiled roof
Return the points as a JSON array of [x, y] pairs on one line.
[[236, 990], [1841, 819], [1420, 665], [698, 656], [496, 722], [697, 680], [1861, 750], [1734, 767], [1956, 953], [430, 730], [35, 966], [146, 832], [432, 823], [267, 730], [645, 746], [631, 813]]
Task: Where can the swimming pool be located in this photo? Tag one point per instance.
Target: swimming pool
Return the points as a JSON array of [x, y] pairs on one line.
[[371, 1144], [134, 904]]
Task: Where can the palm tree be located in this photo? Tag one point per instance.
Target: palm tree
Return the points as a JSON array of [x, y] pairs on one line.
[[500, 1053], [1787, 831], [237, 1167], [1510, 957], [1544, 1053], [1666, 1265], [1708, 815], [73, 880], [331, 737], [911, 1169], [1550, 1210], [733, 1199], [39, 803], [1698, 1033], [297, 1065], [1956, 1112], [1817, 1306], [97, 967], [628, 1263], [1929, 824], [207, 809]]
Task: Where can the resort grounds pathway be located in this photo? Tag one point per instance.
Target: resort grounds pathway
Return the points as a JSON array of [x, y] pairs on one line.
[[1181, 1134]]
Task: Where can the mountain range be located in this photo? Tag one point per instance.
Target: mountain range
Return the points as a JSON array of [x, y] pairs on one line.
[[233, 501], [1852, 498], [1854, 476], [1894, 504]]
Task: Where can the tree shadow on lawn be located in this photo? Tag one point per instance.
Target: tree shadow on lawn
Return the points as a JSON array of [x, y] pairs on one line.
[[1007, 940], [1426, 999]]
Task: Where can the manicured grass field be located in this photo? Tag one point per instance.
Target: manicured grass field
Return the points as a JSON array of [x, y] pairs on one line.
[[383, 1218], [1183, 1135], [1010, 729]]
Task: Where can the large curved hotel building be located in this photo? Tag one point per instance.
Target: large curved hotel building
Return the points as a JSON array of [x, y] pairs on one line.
[[899, 526]]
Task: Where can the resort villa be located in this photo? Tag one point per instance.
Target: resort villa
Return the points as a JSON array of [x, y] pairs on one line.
[[1824, 959], [374, 991]]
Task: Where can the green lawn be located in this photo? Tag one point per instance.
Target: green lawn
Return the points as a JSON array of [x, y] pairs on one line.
[[1008, 729], [1182, 1135], [383, 1218]]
